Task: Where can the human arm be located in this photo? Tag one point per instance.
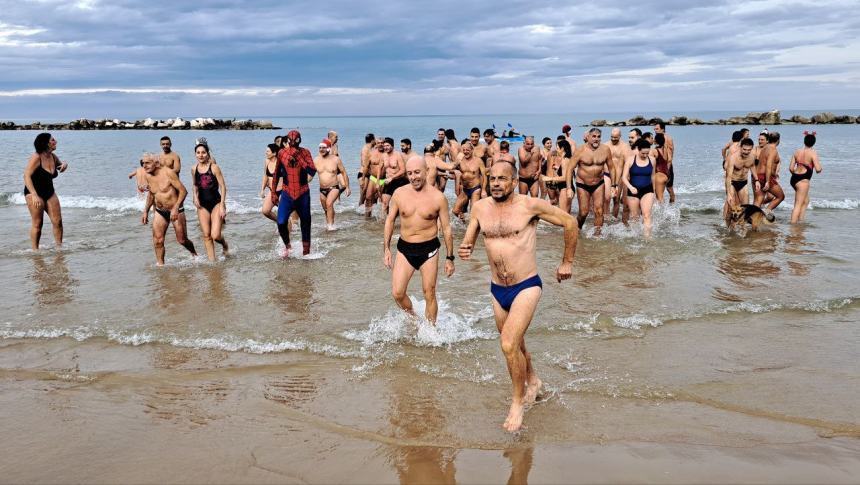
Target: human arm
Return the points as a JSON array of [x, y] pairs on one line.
[[468, 243], [816, 162], [276, 177], [177, 167], [32, 165], [194, 186], [393, 211], [552, 214], [670, 150], [219, 176], [342, 170], [730, 165], [150, 199], [265, 178], [569, 174], [181, 193], [447, 235], [625, 175]]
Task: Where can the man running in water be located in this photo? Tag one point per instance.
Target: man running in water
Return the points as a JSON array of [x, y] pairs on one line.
[[740, 168], [472, 177], [590, 164], [169, 158], [395, 173], [620, 153], [530, 162], [492, 147], [298, 168], [422, 209], [330, 169], [508, 222], [375, 176], [167, 193], [669, 149], [364, 167]]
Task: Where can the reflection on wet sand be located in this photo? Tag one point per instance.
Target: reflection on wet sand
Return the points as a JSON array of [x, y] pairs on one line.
[[416, 414], [747, 263], [293, 293], [54, 282], [170, 288], [797, 245], [218, 290], [521, 464]]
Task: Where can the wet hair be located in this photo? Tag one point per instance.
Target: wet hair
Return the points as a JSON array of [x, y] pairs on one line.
[[42, 142], [659, 140], [560, 138], [437, 144], [273, 147], [388, 140], [638, 132], [747, 142], [369, 137], [504, 145], [565, 146], [546, 139], [809, 140], [642, 144], [648, 134], [201, 145], [165, 138], [489, 131], [466, 141], [475, 130], [773, 137], [744, 131], [278, 139], [659, 122], [593, 130], [407, 141], [449, 134], [737, 136]]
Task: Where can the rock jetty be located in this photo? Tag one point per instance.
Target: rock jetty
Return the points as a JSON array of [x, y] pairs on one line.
[[147, 124], [765, 118]]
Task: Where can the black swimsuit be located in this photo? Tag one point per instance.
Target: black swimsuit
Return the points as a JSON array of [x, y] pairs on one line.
[[795, 178], [207, 189], [43, 182], [418, 253], [739, 184], [590, 188]]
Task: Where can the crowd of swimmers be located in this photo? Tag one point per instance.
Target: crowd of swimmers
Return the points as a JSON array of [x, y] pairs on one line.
[[505, 194]]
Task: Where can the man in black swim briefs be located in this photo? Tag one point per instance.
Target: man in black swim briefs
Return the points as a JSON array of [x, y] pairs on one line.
[[588, 167], [508, 222], [167, 193], [530, 162], [740, 169], [422, 208]]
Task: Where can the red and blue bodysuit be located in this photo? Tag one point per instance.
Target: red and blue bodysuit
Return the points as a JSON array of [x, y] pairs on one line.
[[296, 167]]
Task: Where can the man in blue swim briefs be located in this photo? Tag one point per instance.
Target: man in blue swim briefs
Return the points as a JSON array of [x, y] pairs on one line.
[[422, 209], [508, 222]]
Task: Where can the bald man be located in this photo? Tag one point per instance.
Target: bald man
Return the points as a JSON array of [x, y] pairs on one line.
[[422, 209], [508, 222], [620, 153]]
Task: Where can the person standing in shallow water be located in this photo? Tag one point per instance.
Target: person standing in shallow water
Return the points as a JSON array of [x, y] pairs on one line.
[[210, 198], [271, 164], [422, 209], [296, 169], [167, 193], [803, 162], [42, 168], [508, 222]]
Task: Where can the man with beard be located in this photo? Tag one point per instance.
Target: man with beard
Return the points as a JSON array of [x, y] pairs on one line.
[[395, 172], [422, 210], [364, 167], [169, 158], [589, 164], [375, 176], [508, 222], [472, 178]]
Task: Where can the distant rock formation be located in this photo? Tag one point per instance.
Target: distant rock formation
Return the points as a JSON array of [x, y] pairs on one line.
[[764, 118], [146, 124]]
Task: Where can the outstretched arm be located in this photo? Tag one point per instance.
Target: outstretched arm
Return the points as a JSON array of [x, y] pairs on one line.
[[552, 214], [445, 222]]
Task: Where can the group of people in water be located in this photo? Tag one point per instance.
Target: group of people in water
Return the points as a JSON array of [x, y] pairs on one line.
[[506, 195]]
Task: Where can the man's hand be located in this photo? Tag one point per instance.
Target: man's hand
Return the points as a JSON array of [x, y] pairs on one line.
[[449, 267], [144, 219], [465, 251], [565, 270], [570, 193], [386, 258], [174, 214]]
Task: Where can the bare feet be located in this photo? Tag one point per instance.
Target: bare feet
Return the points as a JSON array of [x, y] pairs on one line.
[[285, 252], [515, 417], [532, 390]]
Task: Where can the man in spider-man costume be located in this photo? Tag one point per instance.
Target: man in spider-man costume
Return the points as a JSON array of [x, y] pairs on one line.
[[296, 167]]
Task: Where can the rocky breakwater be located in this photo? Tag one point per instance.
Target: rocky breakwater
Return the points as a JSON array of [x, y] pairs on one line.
[[765, 118], [147, 124]]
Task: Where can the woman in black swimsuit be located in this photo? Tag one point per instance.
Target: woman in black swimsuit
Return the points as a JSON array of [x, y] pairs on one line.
[[555, 181], [803, 162], [269, 168], [210, 197], [42, 168]]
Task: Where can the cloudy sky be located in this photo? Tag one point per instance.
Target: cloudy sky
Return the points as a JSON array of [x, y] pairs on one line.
[[66, 59]]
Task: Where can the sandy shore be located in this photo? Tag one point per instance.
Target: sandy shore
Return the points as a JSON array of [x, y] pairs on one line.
[[100, 412]]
